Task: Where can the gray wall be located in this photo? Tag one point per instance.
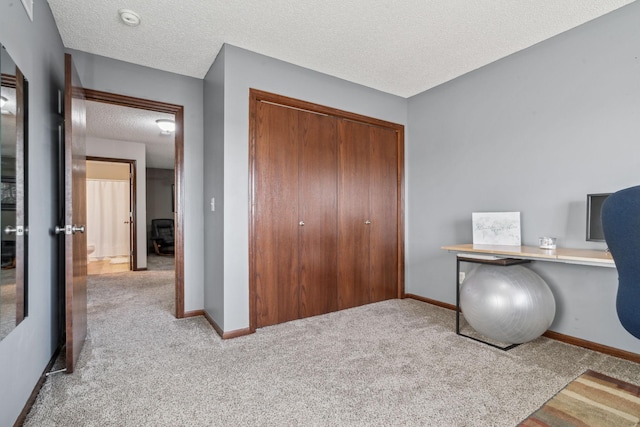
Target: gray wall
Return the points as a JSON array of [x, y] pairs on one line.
[[214, 161], [109, 75], [244, 70], [534, 132], [37, 49]]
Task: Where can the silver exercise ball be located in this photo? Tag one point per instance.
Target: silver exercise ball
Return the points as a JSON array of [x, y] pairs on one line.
[[508, 304]]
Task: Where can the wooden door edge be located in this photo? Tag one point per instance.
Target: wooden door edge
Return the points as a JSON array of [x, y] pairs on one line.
[[253, 105], [401, 213]]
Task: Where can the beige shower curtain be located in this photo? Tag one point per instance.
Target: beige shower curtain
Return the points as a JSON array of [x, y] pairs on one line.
[[108, 218]]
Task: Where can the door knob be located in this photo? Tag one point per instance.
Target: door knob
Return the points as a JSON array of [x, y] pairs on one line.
[[301, 223], [367, 222], [69, 229], [63, 230], [18, 230]]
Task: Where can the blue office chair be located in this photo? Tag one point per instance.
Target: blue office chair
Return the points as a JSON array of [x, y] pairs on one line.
[[621, 226]]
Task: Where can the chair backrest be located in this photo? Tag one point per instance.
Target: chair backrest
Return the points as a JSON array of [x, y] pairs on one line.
[[162, 229], [621, 226]]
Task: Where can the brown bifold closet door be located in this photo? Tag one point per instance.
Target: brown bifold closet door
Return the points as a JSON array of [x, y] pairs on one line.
[[383, 214], [276, 214], [368, 214], [353, 214], [326, 221], [295, 214], [317, 201]]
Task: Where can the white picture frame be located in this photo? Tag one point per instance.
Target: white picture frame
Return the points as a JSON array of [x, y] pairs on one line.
[[496, 228], [28, 6]]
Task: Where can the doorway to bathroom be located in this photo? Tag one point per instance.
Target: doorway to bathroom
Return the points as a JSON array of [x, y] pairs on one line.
[[111, 213]]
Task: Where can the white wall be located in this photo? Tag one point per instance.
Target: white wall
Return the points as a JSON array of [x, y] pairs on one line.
[[110, 75], [112, 149], [243, 70], [534, 132]]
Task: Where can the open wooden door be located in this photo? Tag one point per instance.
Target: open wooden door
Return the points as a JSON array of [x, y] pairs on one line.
[[21, 208], [133, 256], [75, 214]]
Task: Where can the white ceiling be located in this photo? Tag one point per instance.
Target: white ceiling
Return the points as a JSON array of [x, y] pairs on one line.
[[113, 122], [399, 47]]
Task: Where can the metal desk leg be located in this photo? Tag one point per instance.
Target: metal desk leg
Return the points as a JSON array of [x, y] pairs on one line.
[[457, 296], [505, 262]]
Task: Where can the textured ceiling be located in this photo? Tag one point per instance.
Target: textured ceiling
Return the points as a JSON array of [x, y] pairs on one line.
[[119, 123], [402, 47]]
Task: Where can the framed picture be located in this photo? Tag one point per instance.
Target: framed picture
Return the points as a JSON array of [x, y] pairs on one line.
[[496, 228], [8, 193]]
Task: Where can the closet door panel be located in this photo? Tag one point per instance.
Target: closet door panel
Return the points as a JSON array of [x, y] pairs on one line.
[[276, 215], [383, 238], [318, 180], [353, 212]]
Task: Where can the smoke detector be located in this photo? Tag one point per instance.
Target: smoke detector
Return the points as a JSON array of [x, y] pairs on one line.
[[129, 17]]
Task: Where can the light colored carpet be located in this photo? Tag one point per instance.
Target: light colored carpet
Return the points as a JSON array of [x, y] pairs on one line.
[[396, 362], [160, 262]]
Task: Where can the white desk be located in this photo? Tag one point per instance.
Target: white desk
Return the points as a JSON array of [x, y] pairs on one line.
[[568, 256]]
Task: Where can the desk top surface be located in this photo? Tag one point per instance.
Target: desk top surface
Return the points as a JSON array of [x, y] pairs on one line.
[[578, 256]]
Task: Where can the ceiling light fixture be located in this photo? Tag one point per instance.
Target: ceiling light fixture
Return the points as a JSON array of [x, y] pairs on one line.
[[166, 126], [129, 17], [3, 101]]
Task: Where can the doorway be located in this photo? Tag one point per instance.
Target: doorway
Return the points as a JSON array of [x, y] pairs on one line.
[[111, 215], [177, 113]]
